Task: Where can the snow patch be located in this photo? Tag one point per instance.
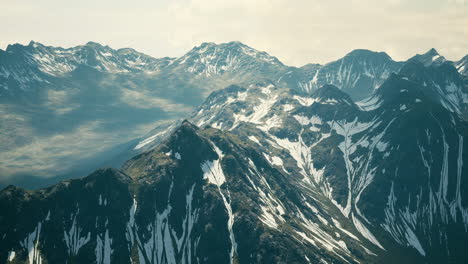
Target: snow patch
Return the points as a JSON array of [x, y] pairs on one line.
[[213, 171], [148, 140], [365, 232], [370, 104], [254, 139], [73, 238], [31, 244], [11, 255], [313, 120], [103, 248], [305, 101]]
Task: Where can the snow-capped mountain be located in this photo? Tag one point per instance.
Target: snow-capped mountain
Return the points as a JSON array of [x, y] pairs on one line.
[[359, 73], [233, 58], [24, 65], [431, 57], [442, 82], [392, 166], [281, 166], [57, 61], [52, 96], [300, 179]]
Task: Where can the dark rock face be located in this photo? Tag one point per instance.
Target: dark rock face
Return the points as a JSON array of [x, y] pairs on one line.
[[202, 196]]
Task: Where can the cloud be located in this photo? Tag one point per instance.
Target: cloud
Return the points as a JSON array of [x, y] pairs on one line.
[[43, 154], [141, 99], [49, 156], [58, 101]]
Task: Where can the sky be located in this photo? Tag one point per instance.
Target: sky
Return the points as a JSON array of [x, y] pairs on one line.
[[296, 31]]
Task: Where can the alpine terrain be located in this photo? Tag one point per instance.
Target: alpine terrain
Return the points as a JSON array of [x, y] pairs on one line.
[[361, 160]]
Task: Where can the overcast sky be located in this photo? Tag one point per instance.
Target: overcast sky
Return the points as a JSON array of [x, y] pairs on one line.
[[295, 31]]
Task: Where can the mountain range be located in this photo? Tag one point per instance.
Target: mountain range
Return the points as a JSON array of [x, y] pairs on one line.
[[51, 98], [360, 160]]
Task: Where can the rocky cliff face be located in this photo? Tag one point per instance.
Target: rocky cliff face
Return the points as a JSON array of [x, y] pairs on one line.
[[202, 196]]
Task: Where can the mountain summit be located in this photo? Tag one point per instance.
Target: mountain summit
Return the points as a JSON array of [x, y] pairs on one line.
[[429, 58], [233, 60]]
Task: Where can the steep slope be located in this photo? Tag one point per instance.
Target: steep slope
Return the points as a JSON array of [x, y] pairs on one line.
[[359, 73], [462, 65], [444, 83], [392, 165], [235, 58], [431, 57], [203, 196], [423, 172]]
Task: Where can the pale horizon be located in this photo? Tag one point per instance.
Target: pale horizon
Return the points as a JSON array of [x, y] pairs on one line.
[[296, 32]]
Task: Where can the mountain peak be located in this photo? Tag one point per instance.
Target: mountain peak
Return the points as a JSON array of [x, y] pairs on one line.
[[432, 52], [127, 51], [186, 144], [15, 47], [237, 43], [412, 85], [367, 53], [186, 125], [329, 92], [34, 44], [211, 59], [429, 58], [330, 89], [185, 130], [205, 44], [443, 72], [107, 174], [210, 47], [93, 44], [228, 44]]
